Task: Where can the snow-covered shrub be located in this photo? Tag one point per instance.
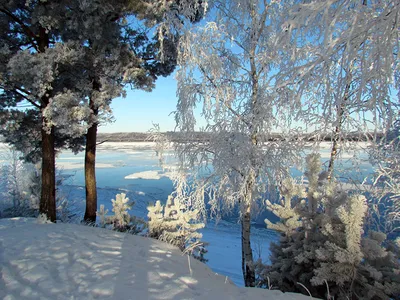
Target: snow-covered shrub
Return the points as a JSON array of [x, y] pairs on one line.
[[20, 189], [121, 220], [16, 199], [323, 245], [174, 223], [102, 215], [42, 219], [120, 209]]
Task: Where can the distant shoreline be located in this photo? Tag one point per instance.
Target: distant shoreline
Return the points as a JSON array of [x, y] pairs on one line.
[[144, 137], [204, 137]]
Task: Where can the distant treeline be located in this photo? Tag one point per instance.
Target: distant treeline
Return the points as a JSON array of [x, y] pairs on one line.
[[205, 136]]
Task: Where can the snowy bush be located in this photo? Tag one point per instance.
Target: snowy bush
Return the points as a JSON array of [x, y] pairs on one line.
[[120, 209], [14, 186], [42, 219], [102, 215], [323, 245], [121, 220], [20, 189], [174, 223]]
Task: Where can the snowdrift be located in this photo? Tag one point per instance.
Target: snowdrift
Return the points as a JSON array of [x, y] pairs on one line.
[[67, 261]]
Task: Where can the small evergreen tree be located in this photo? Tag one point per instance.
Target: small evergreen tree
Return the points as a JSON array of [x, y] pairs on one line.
[[175, 224], [120, 209], [323, 245], [102, 215], [121, 220]]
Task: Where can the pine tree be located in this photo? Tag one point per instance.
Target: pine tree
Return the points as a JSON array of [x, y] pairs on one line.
[[323, 243], [175, 224], [120, 209]]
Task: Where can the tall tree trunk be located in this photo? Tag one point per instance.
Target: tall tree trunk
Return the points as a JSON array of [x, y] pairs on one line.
[[247, 253], [48, 193], [257, 27], [90, 162], [47, 204], [90, 174]]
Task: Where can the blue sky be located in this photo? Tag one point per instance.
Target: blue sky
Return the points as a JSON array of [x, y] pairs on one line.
[[138, 110]]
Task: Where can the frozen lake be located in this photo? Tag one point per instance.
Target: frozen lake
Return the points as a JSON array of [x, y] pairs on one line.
[[134, 169]]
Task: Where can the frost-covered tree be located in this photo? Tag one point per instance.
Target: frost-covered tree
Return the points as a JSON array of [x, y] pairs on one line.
[[79, 55], [34, 68], [227, 67], [22, 130], [15, 183], [342, 61], [123, 45], [323, 245]]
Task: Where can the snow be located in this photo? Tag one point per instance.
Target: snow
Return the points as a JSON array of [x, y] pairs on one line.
[[148, 175], [126, 146], [68, 261], [73, 166], [354, 145]]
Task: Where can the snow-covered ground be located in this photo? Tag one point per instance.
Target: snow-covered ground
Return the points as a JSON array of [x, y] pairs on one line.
[[67, 261]]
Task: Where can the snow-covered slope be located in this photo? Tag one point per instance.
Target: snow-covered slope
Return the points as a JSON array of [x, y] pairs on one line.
[[67, 261]]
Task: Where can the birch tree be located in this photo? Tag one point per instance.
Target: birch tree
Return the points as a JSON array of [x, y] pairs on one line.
[[227, 67], [385, 208], [342, 59]]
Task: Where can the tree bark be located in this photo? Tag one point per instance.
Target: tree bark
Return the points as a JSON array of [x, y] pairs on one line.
[[90, 163], [90, 175], [47, 204], [247, 253], [48, 193]]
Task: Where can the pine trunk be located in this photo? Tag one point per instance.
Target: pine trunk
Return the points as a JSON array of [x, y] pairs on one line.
[[90, 159], [90, 170], [47, 204], [48, 193]]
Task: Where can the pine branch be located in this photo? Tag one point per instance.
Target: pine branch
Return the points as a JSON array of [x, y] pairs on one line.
[[25, 97], [31, 36]]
